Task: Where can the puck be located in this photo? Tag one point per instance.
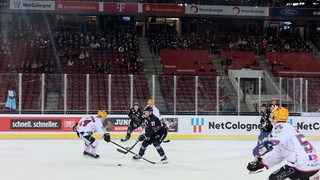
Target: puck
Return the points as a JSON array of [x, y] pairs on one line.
[[119, 164]]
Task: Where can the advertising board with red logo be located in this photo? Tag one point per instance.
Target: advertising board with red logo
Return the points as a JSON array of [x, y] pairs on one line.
[[120, 7], [120, 124], [76, 6], [227, 10], [37, 124], [163, 9], [65, 124]]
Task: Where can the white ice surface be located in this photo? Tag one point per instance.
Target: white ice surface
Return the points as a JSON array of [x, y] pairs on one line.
[[188, 160]]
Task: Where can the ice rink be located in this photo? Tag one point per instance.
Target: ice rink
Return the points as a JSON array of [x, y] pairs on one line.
[[44, 159]]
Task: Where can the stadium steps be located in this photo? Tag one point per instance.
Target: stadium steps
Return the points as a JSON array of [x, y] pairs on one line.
[[152, 67], [264, 64], [268, 95], [52, 101], [227, 85], [315, 50]]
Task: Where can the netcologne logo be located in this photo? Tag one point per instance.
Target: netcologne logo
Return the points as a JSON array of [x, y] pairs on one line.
[[197, 124], [17, 4]]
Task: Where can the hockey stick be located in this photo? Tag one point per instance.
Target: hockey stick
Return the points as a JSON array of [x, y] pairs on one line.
[[128, 149], [132, 152], [137, 141]]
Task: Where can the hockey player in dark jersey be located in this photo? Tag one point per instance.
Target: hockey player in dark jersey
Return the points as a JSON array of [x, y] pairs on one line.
[[265, 126], [135, 114], [154, 134]]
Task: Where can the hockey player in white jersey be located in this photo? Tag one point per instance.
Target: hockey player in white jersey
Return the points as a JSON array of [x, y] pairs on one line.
[[290, 145], [156, 111], [86, 127]]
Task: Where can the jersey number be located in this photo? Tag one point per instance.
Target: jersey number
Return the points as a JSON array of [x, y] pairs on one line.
[[304, 142], [84, 123]]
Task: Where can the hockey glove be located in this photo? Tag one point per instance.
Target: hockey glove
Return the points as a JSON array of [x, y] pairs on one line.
[[255, 165], [106, 137], [143, 137], [265, 148]]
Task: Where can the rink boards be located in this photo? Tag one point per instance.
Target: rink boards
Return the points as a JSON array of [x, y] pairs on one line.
[[180, 127]]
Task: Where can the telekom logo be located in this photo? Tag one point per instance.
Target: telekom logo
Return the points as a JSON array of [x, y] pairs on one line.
[[197, 124], [120, 7]]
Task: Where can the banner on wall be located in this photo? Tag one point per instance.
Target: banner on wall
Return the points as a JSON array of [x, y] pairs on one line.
[[241, 125], [120, 7], [163, 8], [121, 124], [37, 124], [227, 10], [220, 125], [32, 5], [179, 126], [294, 12], [77, 6]]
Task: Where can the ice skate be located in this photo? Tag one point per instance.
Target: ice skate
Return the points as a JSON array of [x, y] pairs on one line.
[[94, 155], [164, 159], [90, 154], [85, 153], [136, 157], [254, 166]]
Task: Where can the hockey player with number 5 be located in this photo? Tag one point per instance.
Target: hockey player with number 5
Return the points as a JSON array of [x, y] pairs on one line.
[[286, 144], [86, 127]]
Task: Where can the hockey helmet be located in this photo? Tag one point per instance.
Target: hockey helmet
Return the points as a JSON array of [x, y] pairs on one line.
[[148, 108], [102, 113], [263, 105], [135, 104], [150, 102], [280, 114]]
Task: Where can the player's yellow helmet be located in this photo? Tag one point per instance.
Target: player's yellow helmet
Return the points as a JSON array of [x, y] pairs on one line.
[[102, 113], [150, 102], [280, 114]]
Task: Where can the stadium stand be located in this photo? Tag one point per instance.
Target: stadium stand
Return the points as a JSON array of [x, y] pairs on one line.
[[293, 64], [187, 62]]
